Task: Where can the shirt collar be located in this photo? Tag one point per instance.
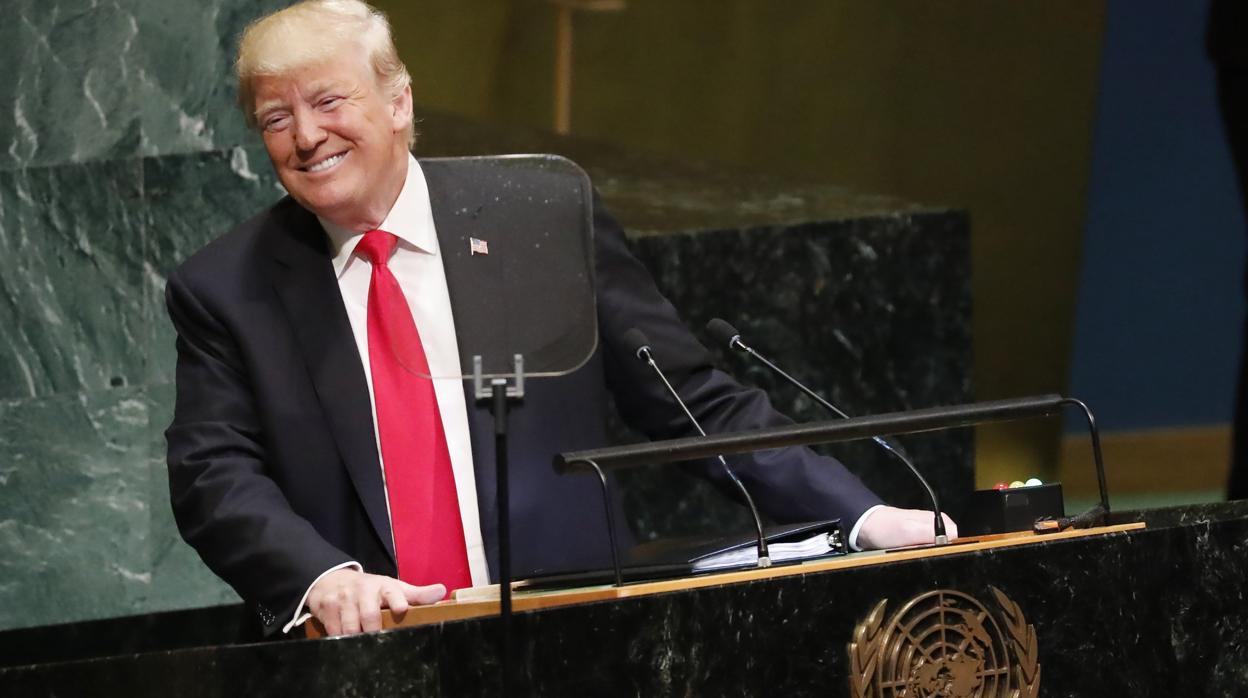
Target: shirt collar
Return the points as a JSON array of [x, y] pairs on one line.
[[408, 220]]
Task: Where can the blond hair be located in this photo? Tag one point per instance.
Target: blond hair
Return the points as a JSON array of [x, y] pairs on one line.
[[314, 31]]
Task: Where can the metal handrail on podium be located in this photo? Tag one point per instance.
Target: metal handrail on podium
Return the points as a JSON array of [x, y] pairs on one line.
[[908, 422]]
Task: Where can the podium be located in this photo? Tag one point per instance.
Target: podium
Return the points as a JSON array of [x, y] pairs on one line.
[[485, 602], [1151, 605]]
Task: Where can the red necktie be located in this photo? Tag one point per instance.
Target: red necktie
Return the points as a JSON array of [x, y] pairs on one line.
[[424, 509]]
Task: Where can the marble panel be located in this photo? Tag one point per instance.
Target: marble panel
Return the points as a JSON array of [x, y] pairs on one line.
[[655, 196], [72, 283], [97, 80], [185, 91], [189, 200], [86, 530], [74, 497], [874, 312], [69, 83]]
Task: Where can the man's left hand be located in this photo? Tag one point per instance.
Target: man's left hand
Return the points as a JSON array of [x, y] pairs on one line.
[[890, 527]]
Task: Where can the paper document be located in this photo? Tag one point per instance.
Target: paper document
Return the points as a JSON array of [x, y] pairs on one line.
[[747, 556]]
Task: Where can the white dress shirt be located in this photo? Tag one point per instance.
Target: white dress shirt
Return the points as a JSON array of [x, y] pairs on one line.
[[417, 265]]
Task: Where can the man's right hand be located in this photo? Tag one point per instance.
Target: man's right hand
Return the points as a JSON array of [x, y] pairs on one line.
[[348, 601]]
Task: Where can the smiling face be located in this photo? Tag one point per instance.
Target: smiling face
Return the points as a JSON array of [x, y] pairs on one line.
[[337, 143]]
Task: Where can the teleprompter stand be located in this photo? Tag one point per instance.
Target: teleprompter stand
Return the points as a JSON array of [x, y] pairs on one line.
[[516, 246], [499, 393]]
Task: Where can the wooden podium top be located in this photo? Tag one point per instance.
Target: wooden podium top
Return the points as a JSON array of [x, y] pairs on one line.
[[476, 603]]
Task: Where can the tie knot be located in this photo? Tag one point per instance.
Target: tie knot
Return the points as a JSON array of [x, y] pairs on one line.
[[377, 246]]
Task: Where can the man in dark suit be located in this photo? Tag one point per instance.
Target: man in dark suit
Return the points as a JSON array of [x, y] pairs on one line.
[[313, 464]]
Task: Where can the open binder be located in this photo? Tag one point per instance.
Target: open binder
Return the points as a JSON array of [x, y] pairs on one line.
[[681, 557]]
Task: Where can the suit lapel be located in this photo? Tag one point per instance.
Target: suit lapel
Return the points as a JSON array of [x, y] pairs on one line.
[[471, 284], [304, 280]]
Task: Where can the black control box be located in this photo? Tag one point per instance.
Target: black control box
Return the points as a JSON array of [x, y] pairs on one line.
[[1011, 509]]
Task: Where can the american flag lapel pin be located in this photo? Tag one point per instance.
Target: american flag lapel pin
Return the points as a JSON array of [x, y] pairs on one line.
[[477, 246]]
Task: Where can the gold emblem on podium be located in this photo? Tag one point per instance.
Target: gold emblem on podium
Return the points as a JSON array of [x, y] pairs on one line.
[[945, 644]]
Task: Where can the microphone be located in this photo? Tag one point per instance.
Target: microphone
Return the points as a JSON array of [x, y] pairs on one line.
[[727, 334], [637, 342]]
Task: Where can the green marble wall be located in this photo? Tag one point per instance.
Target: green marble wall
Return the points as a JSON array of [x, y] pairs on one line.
[[88, 228], [86, 367], [94, 79]]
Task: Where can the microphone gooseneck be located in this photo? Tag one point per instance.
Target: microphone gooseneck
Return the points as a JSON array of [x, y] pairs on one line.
[[727, 334], [639, 345]]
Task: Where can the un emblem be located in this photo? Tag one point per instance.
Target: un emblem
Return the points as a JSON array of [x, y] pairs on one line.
[[945, 644]]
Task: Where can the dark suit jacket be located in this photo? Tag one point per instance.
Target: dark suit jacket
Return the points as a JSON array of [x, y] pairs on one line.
[[273, 469]]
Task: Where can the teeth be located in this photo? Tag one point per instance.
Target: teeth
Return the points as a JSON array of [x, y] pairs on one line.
[[326, 163]]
